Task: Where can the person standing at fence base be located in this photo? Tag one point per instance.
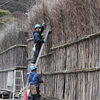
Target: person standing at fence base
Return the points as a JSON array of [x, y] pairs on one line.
[[34, 80], [38, 40]]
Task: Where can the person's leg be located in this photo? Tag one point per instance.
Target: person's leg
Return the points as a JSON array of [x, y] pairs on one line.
[[32, 97], [37, 96], [36, 53], [34, 57]]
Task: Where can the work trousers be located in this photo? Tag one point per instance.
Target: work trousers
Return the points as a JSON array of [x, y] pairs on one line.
[[36, 52], [37, 96]]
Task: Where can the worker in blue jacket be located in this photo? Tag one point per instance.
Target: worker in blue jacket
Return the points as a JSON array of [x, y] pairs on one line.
[[38, 40], [35, 79]]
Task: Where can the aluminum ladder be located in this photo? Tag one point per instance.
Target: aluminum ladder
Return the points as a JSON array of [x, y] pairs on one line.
[[45, 37], [18, 83]]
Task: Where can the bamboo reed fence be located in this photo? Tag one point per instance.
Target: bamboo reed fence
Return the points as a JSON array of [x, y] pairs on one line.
[[13, 53], [70, 61]]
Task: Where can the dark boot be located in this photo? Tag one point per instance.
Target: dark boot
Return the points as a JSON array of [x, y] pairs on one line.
[[34, 60]]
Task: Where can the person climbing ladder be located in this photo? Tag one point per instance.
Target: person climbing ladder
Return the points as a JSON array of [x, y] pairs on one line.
[[38, 40]]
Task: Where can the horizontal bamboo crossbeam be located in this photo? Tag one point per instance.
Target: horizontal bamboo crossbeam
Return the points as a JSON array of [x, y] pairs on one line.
[[50, 97], [14, 46], [72, 71], [42, 56], [30, 39], [46, 55], [77, 41], [29, 59], [92, 69], [5, 90], [11, 69]]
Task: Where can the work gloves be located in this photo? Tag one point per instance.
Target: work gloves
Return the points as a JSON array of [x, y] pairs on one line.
[[39, 29], [44, 40], [43, 24]]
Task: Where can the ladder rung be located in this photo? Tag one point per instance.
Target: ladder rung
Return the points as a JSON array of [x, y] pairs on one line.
[[17, 91], [18, 77], [18, 84], [19, 71]]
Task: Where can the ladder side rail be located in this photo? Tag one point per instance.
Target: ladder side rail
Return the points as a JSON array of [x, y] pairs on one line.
[[14, 84], [22, 80]]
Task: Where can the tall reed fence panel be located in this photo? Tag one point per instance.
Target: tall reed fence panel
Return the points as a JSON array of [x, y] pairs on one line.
[[70, 61], [13, 54]]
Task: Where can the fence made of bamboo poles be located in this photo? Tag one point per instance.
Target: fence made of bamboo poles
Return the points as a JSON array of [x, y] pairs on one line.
[[12, 53], [70, 61]]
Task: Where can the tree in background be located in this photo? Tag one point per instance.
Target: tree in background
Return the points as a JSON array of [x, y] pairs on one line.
[[5, 18]]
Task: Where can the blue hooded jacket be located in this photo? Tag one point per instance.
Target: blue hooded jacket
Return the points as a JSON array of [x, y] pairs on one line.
[[34, 78]]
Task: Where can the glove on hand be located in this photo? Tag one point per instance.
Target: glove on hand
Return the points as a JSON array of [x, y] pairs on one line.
[[43, 24], [44, 40]]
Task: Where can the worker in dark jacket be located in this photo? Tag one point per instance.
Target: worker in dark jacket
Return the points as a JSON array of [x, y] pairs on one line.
[[37, 40], [35, 79]]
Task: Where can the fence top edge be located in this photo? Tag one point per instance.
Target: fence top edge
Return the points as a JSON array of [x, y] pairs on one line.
[[11, 47]]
